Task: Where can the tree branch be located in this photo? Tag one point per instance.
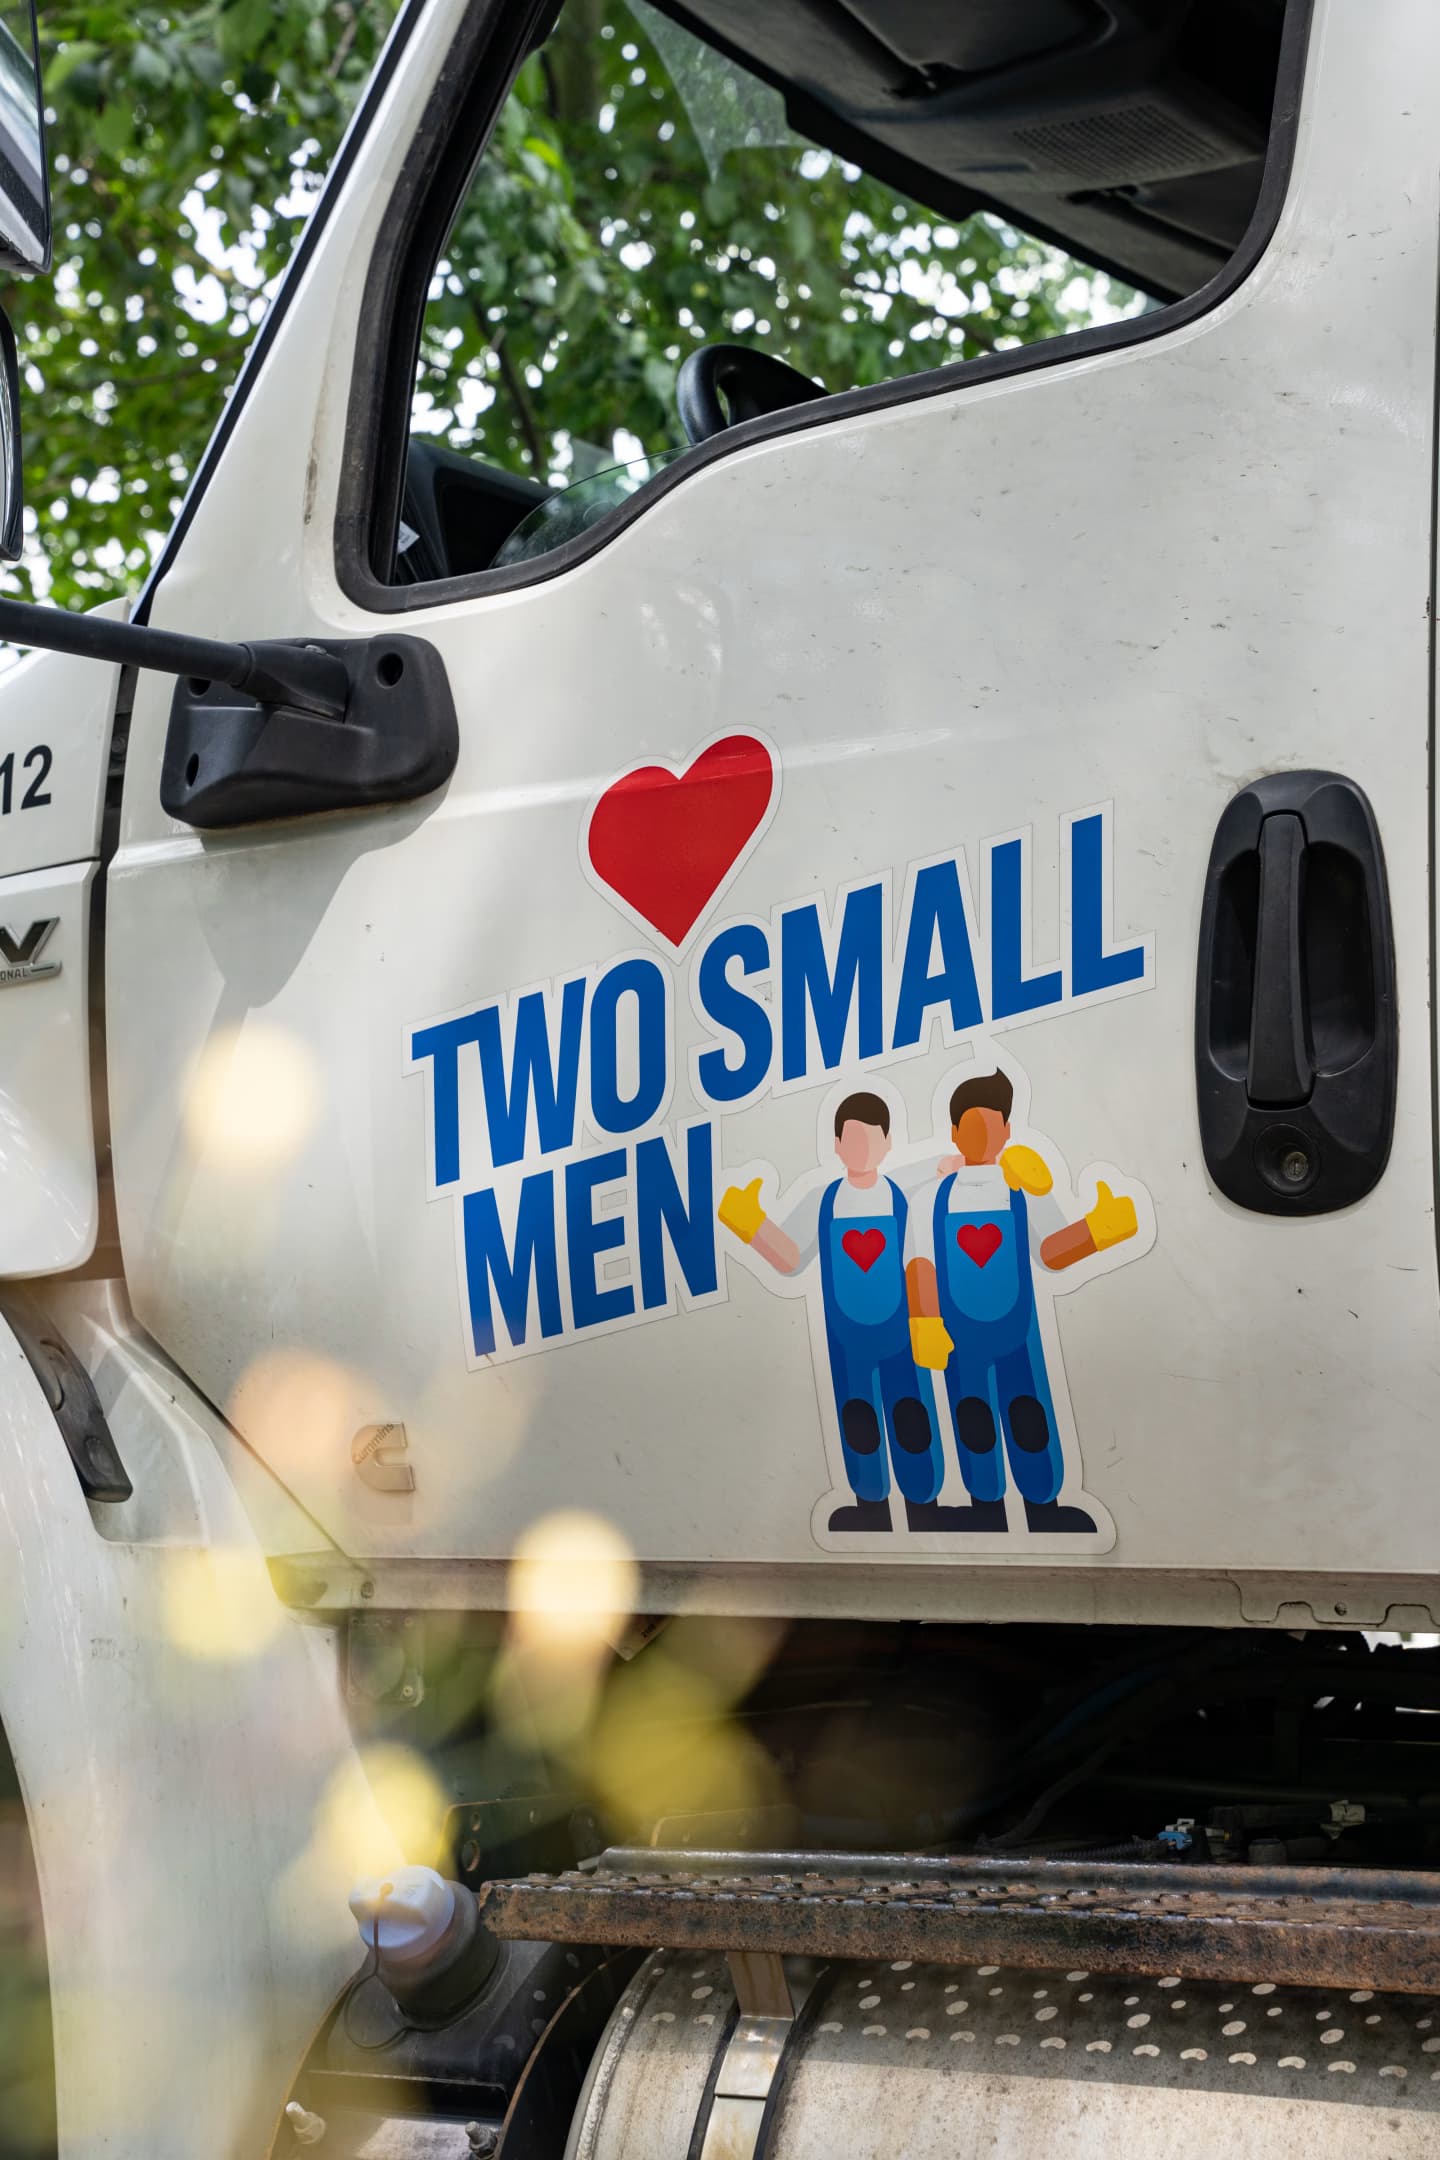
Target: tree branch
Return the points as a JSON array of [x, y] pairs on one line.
[[510, 376], [343, 44]]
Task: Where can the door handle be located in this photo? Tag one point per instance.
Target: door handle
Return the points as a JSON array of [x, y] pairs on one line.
[[1281, 1069], [1295, 1037]]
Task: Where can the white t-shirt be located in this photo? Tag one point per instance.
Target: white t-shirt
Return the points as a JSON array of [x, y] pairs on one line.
[[802, 1221], [979, 1188]]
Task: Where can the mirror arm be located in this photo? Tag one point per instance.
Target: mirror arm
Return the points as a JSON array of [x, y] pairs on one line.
[[299, 676], [276, 730]]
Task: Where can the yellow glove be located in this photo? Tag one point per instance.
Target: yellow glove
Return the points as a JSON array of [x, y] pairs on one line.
[[740, 1210], [930, 1343], [1110, 1221], [1025, 1171]]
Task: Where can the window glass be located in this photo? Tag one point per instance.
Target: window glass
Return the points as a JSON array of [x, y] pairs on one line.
[[644, 196]]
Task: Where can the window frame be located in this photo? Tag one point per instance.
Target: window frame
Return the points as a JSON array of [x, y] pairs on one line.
[[454, 133]]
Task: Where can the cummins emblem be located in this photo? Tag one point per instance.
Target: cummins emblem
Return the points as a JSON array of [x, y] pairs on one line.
[[374, 1450], [20, 956]]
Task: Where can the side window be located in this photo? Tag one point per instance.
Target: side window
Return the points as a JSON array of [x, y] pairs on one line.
[[663, 239]]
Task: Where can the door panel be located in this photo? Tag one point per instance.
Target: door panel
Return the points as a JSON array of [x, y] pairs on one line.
[[56, 717], [1012, 649], [52, 1207]]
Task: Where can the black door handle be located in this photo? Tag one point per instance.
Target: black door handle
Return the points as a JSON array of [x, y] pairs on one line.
[[1281, 1071], [1295, 1040]]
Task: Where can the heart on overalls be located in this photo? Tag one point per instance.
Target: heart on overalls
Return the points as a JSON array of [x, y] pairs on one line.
[[864, 1247], [979, 1241]]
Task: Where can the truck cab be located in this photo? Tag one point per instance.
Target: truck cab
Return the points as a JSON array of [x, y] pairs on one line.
[[718, 1254]]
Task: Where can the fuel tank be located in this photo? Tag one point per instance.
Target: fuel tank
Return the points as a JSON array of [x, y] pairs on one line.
[[951, 2063]]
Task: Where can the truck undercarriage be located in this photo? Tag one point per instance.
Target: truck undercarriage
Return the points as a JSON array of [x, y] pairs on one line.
[[1203, 1861]]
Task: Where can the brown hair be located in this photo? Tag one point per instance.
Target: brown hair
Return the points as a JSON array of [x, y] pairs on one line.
[[987, 1091], [866, 1109]]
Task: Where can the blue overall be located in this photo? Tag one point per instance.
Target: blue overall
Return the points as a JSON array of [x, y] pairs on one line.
[[879, 1395], [995, 1377]]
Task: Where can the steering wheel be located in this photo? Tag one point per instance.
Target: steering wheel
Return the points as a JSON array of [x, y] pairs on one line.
[[749, 382]]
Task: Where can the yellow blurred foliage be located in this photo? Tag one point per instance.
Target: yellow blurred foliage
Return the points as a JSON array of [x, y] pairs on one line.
[[571, 1589], [573, 1580], [219, 1602], [251, 1098], [664, 1740], [293, 1403], [655, 1735], [385, 1798], [384, 1806]]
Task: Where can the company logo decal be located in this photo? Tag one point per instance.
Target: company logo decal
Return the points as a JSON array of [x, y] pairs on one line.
[[583, 1150], [20, 959]]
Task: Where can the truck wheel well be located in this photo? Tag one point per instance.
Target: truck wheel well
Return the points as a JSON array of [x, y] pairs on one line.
[[27, 2045]]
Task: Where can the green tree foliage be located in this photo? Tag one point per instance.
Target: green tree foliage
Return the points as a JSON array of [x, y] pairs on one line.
[[187, 144], [635, 202]]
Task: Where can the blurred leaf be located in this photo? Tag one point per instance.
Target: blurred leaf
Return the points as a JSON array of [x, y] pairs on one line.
[[63, 65], [149, 65]]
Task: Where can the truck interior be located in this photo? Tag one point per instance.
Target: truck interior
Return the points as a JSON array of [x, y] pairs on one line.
[[1126, 138]]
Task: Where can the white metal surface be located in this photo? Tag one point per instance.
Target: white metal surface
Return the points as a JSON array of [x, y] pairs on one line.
[[175, 1787], [56, 718], [1138, 579], [49, 1199]]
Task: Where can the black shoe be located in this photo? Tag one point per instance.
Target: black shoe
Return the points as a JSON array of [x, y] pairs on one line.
[[985, 1515], [864, 1515], [1049, 1515], [929, 1515]]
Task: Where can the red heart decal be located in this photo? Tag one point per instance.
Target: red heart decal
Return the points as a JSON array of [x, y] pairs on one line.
[[864, 1247], [664, 842], [979, 1241]]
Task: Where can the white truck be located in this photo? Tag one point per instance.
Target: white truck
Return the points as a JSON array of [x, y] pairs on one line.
[[717, 1235]]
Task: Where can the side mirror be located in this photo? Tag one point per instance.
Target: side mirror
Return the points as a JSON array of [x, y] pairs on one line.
[[24, 180], [12, 486], [24, 230]]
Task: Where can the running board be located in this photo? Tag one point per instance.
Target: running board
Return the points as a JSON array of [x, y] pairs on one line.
[[1315, 1927]]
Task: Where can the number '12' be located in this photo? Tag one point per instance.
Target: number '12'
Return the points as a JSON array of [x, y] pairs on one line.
[[37, 793]]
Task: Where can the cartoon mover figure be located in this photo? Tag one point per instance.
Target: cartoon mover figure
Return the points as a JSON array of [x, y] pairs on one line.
[[972, 1300], [857, 1227], [946, 1286]]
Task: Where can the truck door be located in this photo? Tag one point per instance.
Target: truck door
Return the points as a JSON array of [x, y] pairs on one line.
[[754, 1099]]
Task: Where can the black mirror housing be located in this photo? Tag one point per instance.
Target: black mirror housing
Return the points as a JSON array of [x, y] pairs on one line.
[[25, 225], [25, 233], [12, 485]]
